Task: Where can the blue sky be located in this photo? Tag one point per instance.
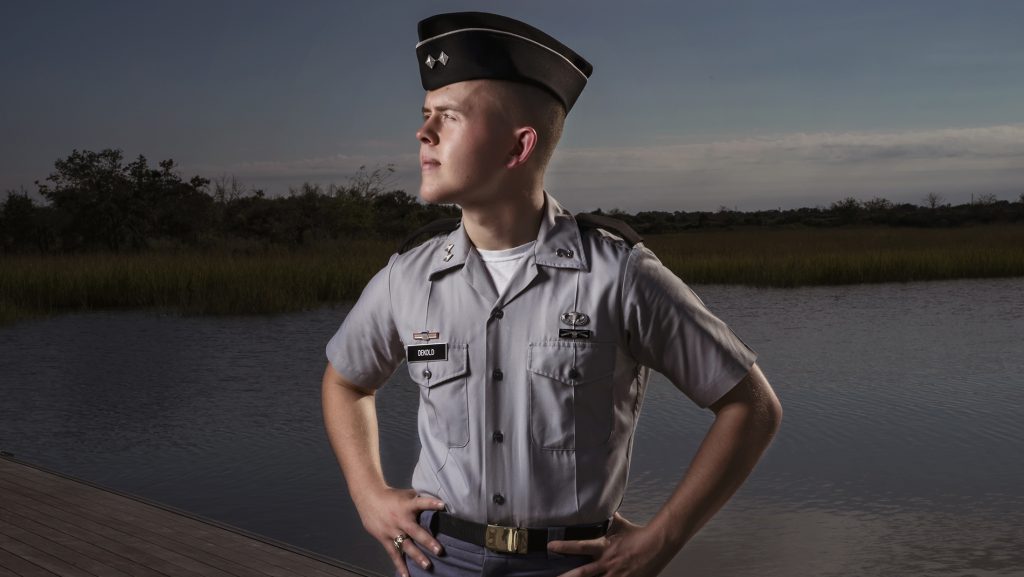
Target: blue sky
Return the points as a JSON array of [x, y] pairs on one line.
[[691, 106]]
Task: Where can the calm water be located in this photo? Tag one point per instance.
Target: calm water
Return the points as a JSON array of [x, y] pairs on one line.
[[901, 453]]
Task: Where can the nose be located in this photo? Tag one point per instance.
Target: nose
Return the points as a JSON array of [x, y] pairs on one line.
[[426, 134]]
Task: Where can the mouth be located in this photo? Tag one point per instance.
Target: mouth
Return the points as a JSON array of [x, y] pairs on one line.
[[428, 164]]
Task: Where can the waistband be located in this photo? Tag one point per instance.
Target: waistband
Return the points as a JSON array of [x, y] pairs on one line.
[[512, 539]]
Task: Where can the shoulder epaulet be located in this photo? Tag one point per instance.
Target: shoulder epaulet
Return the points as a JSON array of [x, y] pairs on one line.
[[444, 225], [614, 225]]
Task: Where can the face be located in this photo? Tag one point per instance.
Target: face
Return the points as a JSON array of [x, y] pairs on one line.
[[465, 141]]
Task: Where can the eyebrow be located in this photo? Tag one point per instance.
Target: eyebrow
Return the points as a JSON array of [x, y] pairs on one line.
[[442, 108]]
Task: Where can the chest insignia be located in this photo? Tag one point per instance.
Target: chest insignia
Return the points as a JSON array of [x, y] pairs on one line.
[[573, 334], [424, 353], [426, 336], [575, 319]]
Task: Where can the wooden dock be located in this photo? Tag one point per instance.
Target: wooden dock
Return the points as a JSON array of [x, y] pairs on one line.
[[54, 525]]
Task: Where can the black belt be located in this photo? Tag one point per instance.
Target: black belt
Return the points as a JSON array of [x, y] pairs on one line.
[[510, 539]]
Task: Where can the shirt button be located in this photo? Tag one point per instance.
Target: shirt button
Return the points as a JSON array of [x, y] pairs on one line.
[[574, 374], [498, 375], [499, 499], [498, 437], [564, 253], [498, 314], [427, 374]]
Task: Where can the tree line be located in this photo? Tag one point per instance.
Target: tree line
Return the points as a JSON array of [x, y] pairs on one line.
[[95, 201]]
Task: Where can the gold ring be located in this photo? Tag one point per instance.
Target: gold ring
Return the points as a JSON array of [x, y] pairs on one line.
[[398, 542]]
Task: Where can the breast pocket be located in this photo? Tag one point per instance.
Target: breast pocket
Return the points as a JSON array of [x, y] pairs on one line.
[[571, 394], [444, 395]]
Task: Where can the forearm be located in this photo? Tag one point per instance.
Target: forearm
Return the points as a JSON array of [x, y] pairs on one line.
[[730, 450], [350, 418]]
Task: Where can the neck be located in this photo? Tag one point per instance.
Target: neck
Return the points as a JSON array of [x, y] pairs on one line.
[[506, 223]]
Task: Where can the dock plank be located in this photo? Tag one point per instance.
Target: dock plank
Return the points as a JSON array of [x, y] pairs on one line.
[[19, 566], [51, 524], [151, 525]]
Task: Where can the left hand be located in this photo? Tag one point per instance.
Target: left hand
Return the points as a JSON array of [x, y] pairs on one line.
[[627, 550]]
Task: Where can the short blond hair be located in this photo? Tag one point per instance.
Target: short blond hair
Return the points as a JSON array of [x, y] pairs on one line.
[[529, 105]]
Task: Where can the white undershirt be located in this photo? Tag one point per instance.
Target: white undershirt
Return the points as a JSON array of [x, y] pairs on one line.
[[502, 264]]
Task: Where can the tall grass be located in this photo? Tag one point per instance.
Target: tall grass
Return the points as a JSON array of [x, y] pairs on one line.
[[217, 282], [227, 282], [811, 256]]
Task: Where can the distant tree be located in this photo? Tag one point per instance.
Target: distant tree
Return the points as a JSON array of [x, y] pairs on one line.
[[878, 204], [23, 225], [985, 199], [933, 200], [102, 202]]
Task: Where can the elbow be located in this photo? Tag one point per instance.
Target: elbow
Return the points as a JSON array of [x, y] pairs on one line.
[[770, 415]]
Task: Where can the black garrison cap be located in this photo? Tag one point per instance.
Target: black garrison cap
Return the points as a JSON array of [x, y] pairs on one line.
[[471, 45]]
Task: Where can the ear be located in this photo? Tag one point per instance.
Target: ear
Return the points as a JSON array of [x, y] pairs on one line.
[[525, 144]]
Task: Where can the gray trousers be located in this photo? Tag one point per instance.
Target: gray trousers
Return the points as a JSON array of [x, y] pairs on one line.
[[462, 559]]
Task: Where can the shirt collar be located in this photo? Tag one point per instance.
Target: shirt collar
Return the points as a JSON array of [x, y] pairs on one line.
[[558, 245]]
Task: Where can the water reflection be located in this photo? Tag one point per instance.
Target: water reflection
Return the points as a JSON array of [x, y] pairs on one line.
[[899, 454]]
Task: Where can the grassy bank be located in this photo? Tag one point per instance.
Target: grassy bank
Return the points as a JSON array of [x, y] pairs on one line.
[[225, 282], [810, 256]]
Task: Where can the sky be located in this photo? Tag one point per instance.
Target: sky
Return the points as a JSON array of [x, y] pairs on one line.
[[747, 105]]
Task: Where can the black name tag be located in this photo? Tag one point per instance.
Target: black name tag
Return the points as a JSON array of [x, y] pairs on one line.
[[573, 334], [423, 353]]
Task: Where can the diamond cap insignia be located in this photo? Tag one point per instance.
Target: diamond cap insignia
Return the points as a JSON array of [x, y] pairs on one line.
[[442, 58]]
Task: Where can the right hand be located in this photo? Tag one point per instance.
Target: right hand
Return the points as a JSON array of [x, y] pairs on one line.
[[391, 512]]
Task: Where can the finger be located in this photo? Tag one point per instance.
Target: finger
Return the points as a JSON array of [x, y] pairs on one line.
[[425, 539], [427, 503], [588, 570], [415, 554], [592, 547], [397, 559]]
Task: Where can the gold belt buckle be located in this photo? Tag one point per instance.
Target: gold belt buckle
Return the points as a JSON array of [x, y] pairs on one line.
[[506, 539]]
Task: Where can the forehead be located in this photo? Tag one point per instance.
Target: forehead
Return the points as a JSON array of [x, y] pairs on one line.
[[466, 95]]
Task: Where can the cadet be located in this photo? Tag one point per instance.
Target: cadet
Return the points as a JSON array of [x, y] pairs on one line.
[[531, 335]]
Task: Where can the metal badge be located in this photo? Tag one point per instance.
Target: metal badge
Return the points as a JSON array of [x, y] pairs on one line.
[[574, 334], [426, 336], [442, 58], [575, 319], [425, 353]]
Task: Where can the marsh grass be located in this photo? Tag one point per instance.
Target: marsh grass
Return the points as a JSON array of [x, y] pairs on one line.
[[210, 282], [810, 256], [276, 281]]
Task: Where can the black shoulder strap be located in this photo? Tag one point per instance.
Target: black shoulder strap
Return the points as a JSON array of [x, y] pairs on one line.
[[444, 225], [588, 221]]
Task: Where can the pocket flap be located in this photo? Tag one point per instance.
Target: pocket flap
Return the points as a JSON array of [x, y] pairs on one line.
[[572, 363], [432, 373]]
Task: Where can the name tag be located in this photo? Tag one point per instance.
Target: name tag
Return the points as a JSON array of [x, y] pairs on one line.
[[424, 353]]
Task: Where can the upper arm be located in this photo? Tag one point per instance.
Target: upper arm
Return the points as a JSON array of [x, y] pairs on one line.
[[333, 378], [754, 396], [366, 347], [669, 329]]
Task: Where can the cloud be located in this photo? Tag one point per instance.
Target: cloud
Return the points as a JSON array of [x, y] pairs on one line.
[[795, 169]]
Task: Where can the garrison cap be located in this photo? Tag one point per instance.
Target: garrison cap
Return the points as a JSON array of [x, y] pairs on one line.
[[473, 45]]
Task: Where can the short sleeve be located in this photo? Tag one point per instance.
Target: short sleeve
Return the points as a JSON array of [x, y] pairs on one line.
[[366, 349], [671, 331]]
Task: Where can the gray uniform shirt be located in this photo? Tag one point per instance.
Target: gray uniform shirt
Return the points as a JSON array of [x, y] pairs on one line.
[[527, 414]]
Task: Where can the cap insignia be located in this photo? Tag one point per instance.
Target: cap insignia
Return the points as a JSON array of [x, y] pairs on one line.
[[442, 58]]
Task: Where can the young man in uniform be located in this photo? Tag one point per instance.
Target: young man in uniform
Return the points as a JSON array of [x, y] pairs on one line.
[[530, 334]]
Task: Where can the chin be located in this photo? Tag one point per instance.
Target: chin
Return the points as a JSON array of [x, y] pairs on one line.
[[436, 195]]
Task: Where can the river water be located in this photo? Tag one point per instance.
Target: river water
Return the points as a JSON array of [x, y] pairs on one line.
[[901, 451]]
